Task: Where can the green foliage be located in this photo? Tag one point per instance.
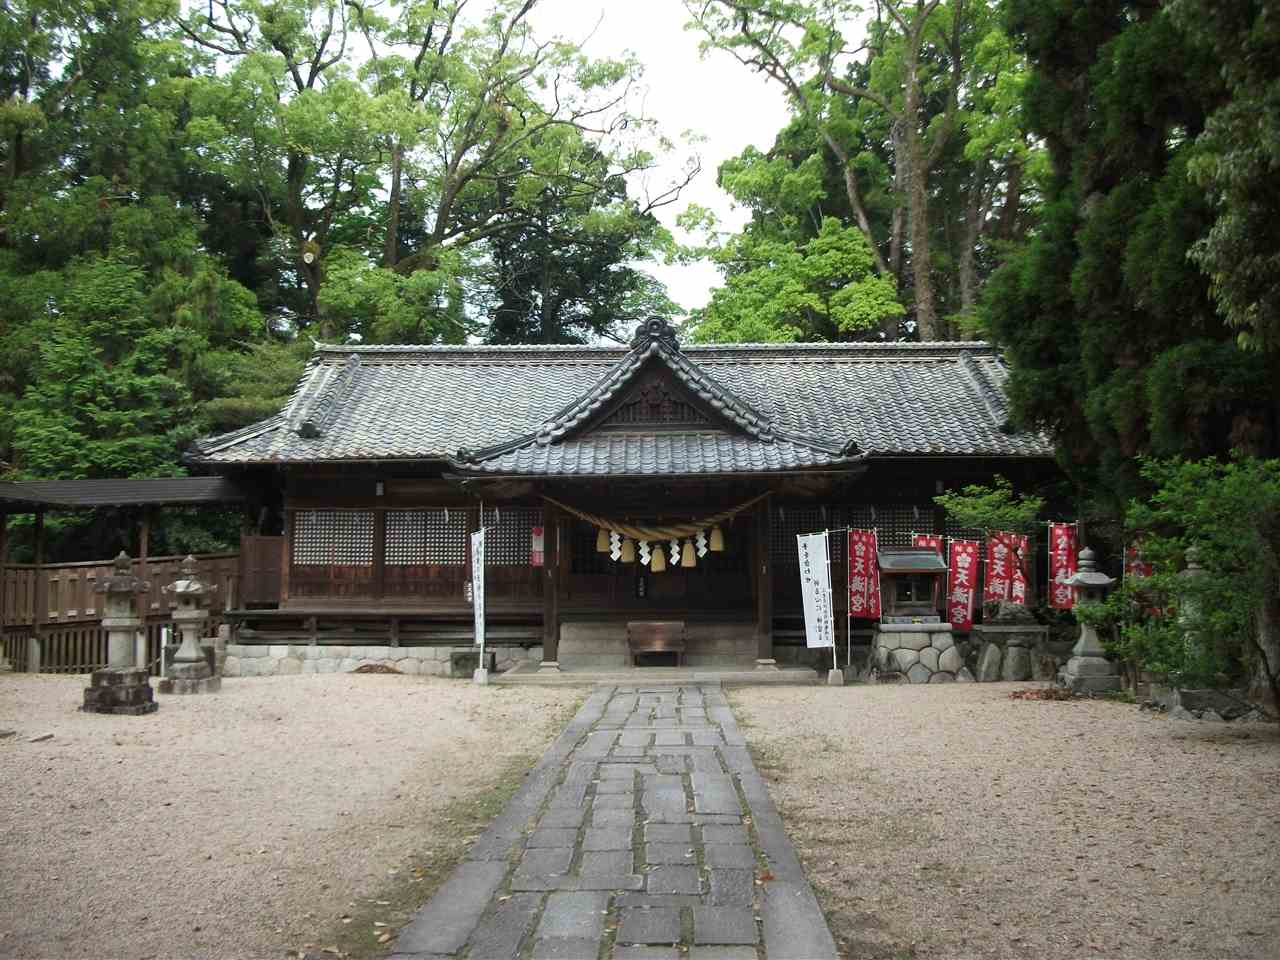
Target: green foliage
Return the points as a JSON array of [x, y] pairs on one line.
[[184, 199], [915, 135], [776, 291], [251, 384], [992, 507], [1114, 340], [1235, 160], [1203, 629], [360, 299]]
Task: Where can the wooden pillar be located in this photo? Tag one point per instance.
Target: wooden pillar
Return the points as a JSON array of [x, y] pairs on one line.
[[552, 528], [144, 548], [41, 610], [764, 586], [4, 588], [286, 552]]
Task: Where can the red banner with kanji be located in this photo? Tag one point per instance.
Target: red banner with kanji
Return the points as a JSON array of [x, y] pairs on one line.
[[1064, 546], [962, 579], [1018, 591], [927, 540], [999, 579], [864, 575], [1006, 578]]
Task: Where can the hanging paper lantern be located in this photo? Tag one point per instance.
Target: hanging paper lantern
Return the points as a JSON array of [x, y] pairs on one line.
[[717, 539], [602, 540], [628, 551], [687, 559], [659, 562]]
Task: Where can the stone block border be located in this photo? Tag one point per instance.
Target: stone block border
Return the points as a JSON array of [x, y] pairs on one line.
[[263, 660]]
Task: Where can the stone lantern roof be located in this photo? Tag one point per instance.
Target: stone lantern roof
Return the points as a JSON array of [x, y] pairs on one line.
[[1088, 575], [122, 578]]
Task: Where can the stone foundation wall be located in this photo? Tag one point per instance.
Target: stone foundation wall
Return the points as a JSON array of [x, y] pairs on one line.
[[261, 660], [604, 644], [1021, 652], [921, 652]]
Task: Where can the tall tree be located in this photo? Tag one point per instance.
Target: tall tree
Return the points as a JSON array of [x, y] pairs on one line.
[[1119, 343], [430, 150], [1236, 159], [900, 113], [564, 270], [1113, 335]]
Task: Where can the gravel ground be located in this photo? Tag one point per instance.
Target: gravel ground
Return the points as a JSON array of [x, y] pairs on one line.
[[236, 825], [951, 821]]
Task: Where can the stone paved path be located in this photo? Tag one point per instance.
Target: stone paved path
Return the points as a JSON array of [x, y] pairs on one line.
[[641, 834]]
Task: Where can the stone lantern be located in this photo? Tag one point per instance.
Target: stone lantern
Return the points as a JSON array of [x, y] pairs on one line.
[[1089, 670], [190, 672], [122, 687]]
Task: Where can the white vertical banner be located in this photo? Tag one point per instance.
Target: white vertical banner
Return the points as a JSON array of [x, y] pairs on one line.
[[477, 587], [815, 588]]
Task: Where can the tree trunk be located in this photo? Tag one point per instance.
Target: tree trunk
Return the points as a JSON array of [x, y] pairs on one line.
[[1007, 227], [855, 199], [975, 218], [899, 222], [391, 245], [918, 201], [296, 217]]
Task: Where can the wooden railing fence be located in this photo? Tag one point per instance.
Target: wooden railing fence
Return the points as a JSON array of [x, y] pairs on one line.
[[70, 632]]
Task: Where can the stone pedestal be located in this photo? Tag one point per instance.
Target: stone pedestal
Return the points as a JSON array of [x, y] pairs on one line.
[[1089, 670], [835, 678], [190, 678], [190, 671], [125, 690], [123, 687], [220, 641], [1007, 643], [921, 652]]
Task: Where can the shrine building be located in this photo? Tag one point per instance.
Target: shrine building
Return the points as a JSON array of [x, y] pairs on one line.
[[661, 482]]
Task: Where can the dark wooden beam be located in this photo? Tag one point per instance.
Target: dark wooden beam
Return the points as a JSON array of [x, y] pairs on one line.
[[764, 583], [286, 554], [144, 548], [552, 531], [4, 565], [41, 598]]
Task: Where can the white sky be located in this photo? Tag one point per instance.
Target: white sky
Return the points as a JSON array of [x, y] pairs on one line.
[[716, 97]]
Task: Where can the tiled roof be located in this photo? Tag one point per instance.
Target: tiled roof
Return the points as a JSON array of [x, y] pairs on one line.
[[85, 494], [628, 454], [520, 409]]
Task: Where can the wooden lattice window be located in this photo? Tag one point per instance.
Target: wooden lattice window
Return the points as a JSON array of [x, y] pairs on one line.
[[323, 537], [894, 523], [509, 534], [426, 537], [789, 521]]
